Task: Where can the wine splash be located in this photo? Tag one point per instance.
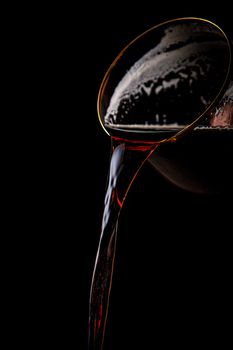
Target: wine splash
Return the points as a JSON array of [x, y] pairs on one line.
[[126, 160]]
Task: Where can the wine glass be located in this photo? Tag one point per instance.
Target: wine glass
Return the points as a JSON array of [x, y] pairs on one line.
[[167, 82]]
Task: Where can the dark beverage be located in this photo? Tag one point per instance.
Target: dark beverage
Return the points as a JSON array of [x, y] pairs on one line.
[[161, 87], [198, 162], [126, 159]]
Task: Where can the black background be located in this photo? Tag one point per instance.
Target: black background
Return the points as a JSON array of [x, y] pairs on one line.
[[173, 251]]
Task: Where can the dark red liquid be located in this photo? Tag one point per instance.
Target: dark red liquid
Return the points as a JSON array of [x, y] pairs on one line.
[[198, 162], [126, 160]]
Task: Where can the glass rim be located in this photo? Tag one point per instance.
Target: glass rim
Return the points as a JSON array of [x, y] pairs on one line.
[[216, 99]]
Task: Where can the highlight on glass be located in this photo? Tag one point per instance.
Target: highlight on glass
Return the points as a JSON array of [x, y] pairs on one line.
[[169, 81]]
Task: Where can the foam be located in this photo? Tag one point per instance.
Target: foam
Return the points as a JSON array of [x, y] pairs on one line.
[[171, 71]]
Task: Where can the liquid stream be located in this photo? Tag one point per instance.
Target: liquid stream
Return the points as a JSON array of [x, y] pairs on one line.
[[126, 160]]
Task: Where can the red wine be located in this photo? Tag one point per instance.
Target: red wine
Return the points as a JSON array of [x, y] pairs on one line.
[[165, 81], [126, 160], [198, 162]]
